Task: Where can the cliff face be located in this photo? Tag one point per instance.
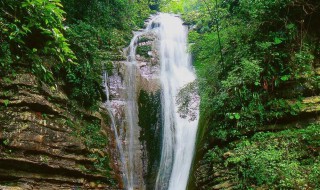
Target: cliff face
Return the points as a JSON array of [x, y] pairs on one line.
[[45, 143]]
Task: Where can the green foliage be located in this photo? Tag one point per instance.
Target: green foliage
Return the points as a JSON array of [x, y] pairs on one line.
[[6, 102], [256, 79], [284, 160], [6, 142], [154, 4], [108, 15], [5, 57], [96, 141], [143, 50], [261, 53], [177, 6], [29, 30], [97, 31], [94, 137], [83, 80]]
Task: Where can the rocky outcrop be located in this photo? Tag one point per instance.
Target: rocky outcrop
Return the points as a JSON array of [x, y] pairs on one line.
[[45, 143], [147, 92]]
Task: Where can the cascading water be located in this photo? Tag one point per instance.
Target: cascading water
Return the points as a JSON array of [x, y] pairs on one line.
[[178, 133], [178, 138], [114, 128], [135, 175], [131, 111]]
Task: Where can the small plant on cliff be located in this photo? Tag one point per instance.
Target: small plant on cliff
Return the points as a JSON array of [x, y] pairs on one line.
[[6, 102], [144, 50], [6, 142], [96, 142], [94, 137]]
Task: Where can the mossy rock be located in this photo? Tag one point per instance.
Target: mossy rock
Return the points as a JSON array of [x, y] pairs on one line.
[[143, 51]]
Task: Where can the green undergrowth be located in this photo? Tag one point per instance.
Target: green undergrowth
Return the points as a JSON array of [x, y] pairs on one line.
[[144, 50], [273, 160]]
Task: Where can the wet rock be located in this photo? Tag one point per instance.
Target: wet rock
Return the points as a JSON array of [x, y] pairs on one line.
[[147, 72]]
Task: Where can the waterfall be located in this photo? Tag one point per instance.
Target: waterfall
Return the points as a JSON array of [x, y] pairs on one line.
[[131, 113], [114, 128], [134, 163], [178, 133]]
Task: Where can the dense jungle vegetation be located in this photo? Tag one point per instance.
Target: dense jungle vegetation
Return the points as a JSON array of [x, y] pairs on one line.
[[67, 42], [257, 63]]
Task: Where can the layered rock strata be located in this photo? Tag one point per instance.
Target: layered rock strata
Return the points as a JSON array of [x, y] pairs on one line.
[[42, 140]]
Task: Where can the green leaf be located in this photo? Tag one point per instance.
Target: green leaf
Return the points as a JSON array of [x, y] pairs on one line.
[[6, 142], [6, 102], [25, 28], [237, 116], [290, 26], [278, 40], [24, 4], [7, 80], [285, 77]]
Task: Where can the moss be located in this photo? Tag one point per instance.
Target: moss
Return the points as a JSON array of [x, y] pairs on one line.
[[143, 39], [143, 50], [89, 131], [150, 135]]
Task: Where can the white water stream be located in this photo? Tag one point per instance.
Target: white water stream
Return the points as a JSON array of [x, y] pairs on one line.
[[134, 163], [179, 134], [115, 130]]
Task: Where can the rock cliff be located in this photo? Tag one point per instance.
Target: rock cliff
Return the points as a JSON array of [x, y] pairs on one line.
[[46, 143]]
